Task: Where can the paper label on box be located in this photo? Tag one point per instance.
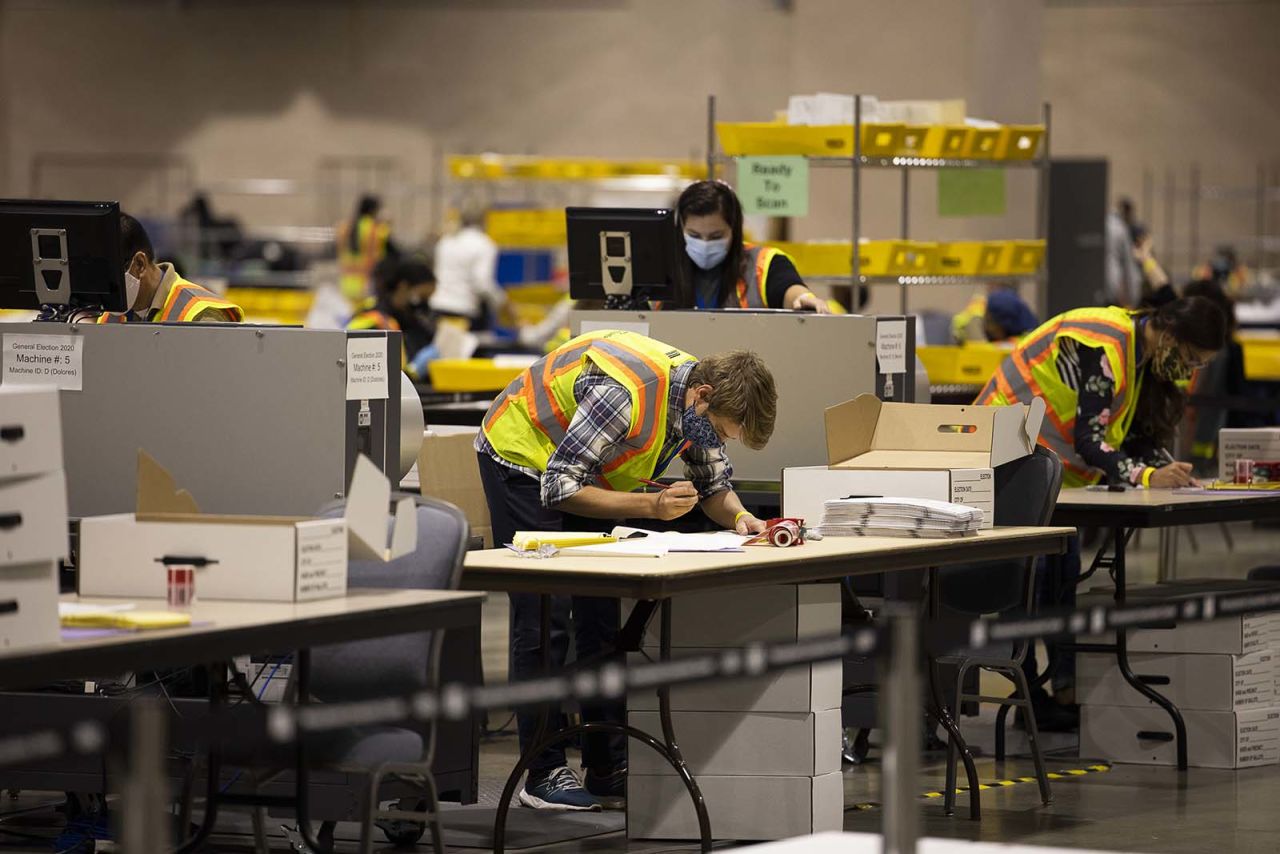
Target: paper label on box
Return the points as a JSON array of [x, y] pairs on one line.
[[56, 360], [1253, 680], [891, 346], [366, 368], [322, 559], [1258, 738]]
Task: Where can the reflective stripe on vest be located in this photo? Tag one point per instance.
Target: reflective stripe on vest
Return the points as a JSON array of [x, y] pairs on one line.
[[531, 418], [752, 290], [185, 302], [1032, 371]]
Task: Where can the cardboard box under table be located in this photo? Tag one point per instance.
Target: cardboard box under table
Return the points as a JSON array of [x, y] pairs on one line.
[[945, 453]]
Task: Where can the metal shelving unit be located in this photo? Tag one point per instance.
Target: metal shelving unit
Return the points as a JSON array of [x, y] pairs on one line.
[[906, 165]]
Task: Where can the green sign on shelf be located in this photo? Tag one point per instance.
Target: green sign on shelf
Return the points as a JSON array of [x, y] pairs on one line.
[[774, 186], [971, 192]]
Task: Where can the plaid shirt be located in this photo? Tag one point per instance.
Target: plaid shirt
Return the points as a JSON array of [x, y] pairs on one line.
[[598, 429]]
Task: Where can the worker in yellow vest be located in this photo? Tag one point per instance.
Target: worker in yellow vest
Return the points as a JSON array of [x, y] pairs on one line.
[[404, 288], [567, 446], [362, 244], [720, 270], [155, 292], [1111, 379]]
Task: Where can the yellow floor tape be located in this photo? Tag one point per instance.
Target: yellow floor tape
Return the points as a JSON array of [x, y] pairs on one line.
[[998, 784]]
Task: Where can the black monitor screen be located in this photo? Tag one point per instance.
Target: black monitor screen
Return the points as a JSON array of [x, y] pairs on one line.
[[32, 238], [652, 257]]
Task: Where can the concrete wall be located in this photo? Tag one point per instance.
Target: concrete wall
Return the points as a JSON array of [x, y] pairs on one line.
[[1161, 85], [212, 91]]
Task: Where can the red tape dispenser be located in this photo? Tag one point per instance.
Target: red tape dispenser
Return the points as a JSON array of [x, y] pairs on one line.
[[782, 533]]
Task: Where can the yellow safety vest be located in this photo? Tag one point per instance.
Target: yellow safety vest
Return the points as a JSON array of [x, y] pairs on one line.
[[1032, 371], [185, 303], [372, 317], [355, 269], [528, 421], [752, 290]]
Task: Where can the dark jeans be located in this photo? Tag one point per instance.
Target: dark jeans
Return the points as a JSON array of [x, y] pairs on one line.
[[1056, 578], [515, 505]]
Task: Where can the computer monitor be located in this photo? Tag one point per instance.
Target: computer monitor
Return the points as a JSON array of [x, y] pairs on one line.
[[64, 254], [621, 255]]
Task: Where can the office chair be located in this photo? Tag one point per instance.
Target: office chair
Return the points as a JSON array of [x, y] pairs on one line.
[[1026, 494], [373, 668]]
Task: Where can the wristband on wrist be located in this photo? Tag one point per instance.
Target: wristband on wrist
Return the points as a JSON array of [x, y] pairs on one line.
[[1146, 477], [740, 514]]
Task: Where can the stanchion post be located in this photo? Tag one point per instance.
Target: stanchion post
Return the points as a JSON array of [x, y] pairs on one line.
[[900, 707], [143, 825]]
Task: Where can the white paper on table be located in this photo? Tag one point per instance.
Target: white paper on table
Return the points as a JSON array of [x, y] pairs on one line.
[[69, 609], [674, 541]]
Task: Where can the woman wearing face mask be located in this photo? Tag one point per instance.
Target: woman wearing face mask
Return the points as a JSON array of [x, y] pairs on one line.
[[404, 287], [1112, 381], [719, 270]]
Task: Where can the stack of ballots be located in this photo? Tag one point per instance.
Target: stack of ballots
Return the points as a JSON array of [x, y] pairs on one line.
[[898, 517]]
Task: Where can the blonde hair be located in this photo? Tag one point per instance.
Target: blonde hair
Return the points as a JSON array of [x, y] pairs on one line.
[[742, 390]]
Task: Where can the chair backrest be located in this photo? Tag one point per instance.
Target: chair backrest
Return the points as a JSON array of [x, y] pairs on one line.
[[1026, 494], [401, 663]]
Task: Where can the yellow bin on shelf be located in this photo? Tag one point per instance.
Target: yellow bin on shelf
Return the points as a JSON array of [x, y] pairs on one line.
[[819, 258], [880, 139], [1022, 257], [884, 258], [739, 139], [470, 375], [946, 141], [913, 138], [1261, 357], [1019, 142], [970, 257], [922, 258], [983, 142], [967, 364]]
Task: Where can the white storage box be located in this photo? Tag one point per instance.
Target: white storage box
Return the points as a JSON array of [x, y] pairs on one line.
[[29, 605], [30, 431], [734, 618], [745, 743], [805, 489], [33, 519], [1242, 635], [266, 560], [912, 450], [1144, 736], [262, 558], [1260, 444], [659, 807], [814, 688], [1200, 682]]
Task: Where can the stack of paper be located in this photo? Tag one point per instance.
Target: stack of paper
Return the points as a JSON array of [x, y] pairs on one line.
[[898, 517]]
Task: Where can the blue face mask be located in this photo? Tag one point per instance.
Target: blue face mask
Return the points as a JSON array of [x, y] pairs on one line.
[[707, 254], [698, 430]]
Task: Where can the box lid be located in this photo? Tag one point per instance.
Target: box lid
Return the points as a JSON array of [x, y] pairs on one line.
[[160, 499], [867, 433]]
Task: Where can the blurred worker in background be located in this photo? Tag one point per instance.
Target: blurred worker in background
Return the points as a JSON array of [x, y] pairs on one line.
[[717, 269], [404, 285], [1000, 313], [467, 273], [1155, 280], [1123, 286], [1226, 270], [362, 244], [1112, 382], [155, 291]]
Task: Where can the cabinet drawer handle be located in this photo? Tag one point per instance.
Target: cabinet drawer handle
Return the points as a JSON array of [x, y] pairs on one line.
[[1148, 735], [1154, 680], [9, 521], [12, 433], [8, 606]]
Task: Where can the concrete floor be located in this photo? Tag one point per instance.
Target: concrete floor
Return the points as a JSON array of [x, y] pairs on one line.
[[1127, 808]]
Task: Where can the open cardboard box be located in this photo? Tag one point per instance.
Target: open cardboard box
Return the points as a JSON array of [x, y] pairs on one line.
[[912, 450], [260, 558]]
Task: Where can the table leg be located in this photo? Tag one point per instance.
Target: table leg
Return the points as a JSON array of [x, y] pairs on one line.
[[535, 745], [302, 775], [1168, 565], [676, 758], [1122, 657], [217, 689]]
